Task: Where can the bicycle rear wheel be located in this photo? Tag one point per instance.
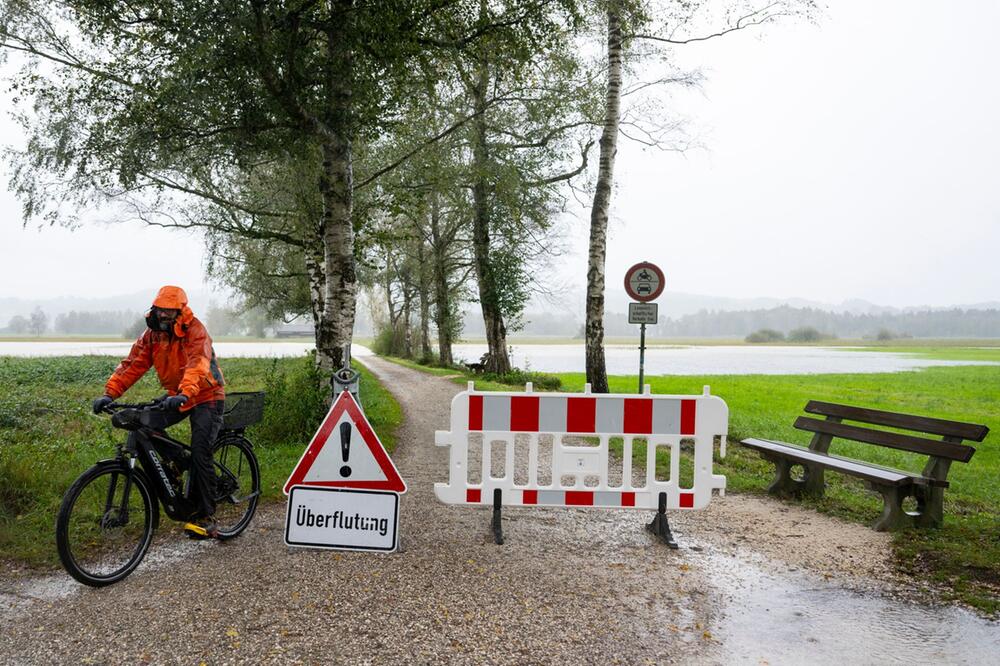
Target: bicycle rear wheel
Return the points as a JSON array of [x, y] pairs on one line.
[[105, 524], [237, 484]]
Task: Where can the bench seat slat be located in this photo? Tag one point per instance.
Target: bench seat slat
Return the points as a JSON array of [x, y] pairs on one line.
[[930, 447], [846, 465], [970, 431]]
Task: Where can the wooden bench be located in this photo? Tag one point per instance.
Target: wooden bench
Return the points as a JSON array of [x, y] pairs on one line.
[[479, 368], [894, 485]]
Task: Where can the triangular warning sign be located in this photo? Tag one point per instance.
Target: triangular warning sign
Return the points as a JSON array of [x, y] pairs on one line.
[[346, 453]]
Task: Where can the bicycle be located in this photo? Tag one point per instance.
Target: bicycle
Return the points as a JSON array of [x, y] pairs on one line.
[[109, 514]]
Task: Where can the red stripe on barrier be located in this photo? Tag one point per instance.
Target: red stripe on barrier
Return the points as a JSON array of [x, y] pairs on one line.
[[475, 412], [628, 499], [687, 416], [579, 498], [687, 499], [530, 497], [581, 414], [638, 419], [524, 413], [474, 495]]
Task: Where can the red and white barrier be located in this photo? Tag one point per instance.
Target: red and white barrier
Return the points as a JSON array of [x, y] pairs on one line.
[[661, 420]]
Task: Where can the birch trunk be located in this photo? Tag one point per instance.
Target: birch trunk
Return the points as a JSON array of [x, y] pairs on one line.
[[316, 268], [597, 373], [336, 186], [496, 332]]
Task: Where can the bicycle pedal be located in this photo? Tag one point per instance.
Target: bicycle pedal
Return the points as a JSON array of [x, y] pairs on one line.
[[196, 532]]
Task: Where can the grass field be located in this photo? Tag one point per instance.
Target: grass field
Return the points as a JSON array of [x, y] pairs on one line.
[[48, 435], [963, 557]]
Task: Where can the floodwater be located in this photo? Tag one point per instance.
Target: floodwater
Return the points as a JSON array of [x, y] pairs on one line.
[[797, 618], [621, 359], [120, 349], [714, 360]]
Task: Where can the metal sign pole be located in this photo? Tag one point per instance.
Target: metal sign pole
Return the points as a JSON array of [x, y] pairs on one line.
[[346, 379], [642, 353]]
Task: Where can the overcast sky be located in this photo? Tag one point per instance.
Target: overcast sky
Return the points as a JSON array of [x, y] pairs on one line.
[[857, 158]]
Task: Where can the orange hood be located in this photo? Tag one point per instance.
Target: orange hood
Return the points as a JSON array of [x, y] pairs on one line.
[[174, 298]]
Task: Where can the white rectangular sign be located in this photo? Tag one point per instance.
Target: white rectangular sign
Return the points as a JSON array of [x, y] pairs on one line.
[[642, 313], [342, 518]]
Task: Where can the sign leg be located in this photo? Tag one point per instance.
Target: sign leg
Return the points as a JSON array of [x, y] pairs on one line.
[[642, 353], [660, 525], [497, 527]]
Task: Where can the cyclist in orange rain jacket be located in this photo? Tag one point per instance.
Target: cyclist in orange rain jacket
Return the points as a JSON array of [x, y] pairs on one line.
[[178, 346]]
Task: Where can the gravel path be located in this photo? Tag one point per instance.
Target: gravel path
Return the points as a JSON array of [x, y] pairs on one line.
[[570, 586]]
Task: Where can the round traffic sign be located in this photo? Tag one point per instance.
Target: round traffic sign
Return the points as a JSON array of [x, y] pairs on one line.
[[644, 281]]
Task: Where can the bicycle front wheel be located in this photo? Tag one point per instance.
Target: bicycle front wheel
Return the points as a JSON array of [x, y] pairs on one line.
[[105, 524], [237, 485]]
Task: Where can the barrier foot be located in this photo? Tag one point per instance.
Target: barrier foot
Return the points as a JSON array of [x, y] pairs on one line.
[[660, 526], [497, 527]]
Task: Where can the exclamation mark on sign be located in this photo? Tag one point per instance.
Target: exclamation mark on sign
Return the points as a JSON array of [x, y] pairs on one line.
[[345, 447]]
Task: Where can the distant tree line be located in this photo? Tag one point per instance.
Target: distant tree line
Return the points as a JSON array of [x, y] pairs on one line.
[[34, 324], [221, 320], [94, 323], [955, 322]]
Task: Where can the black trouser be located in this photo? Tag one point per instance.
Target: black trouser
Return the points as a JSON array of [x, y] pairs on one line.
[[206, 420]]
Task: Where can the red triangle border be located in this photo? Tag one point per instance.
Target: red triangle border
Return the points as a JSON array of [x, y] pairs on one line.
[[345, 402]]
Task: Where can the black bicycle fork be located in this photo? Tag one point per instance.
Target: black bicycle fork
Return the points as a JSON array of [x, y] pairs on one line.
[[122, 518]]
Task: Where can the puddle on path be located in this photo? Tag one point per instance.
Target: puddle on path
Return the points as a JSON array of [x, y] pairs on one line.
[[20, 595], [797, 618]]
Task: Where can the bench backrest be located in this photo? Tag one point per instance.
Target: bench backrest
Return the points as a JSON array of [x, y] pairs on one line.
[[950, 447]]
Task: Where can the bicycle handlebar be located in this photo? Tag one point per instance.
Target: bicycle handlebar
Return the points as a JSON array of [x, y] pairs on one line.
[[116, 406]]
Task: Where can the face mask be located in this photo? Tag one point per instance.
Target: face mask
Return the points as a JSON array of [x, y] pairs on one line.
[[155, 321]]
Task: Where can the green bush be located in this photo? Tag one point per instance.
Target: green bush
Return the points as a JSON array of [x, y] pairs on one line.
[[295, 402], [518, 377], [766, 335], [807, 334]]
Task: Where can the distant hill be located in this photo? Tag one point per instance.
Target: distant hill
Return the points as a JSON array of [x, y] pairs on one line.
[[681, 315], [137, 301]]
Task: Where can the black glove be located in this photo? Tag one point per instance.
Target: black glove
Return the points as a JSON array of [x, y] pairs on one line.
[[102, 402], [174, 402]]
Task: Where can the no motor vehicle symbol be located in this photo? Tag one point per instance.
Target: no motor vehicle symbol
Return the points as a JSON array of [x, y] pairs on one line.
[[644, 282]]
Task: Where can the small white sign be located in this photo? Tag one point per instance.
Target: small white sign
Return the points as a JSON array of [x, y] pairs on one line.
[[642, 313], [341, 518]]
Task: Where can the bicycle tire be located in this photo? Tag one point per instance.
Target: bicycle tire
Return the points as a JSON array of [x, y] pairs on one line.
[[246, 491], [72, 552]]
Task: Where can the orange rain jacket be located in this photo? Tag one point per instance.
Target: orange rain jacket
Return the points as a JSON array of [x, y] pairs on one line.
[[184, 358]]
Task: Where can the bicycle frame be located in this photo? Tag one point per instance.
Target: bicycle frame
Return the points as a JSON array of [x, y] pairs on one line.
[[175, 500]]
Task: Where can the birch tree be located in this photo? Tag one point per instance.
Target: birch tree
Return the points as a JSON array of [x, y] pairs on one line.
[[669, 24]]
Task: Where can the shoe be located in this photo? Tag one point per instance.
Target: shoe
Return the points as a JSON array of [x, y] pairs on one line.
[[202, 529]]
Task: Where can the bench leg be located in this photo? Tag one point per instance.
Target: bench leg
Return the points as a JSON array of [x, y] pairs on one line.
[[783, 483], [893, 517], [930, 506]]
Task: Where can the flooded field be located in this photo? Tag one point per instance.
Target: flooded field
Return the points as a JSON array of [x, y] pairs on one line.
[[621, 359], [715, 360]]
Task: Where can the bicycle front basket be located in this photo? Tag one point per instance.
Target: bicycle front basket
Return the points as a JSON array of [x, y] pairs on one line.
[[242, 410]]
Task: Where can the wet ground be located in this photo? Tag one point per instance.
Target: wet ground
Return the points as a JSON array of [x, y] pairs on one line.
[[796, 617], [755, 581]]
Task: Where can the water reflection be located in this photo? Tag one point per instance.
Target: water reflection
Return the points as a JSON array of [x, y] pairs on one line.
[[798, 618]]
